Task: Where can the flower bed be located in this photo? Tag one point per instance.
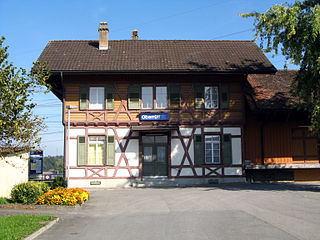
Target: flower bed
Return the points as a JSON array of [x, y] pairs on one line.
[[64, 196]]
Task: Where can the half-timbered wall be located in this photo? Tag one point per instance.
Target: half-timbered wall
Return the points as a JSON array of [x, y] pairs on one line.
[[190, 121], [185, 114]]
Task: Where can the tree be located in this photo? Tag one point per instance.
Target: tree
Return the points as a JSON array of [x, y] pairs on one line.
[[19, 127], [295, 31]]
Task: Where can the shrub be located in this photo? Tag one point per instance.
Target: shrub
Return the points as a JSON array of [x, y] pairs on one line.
[[59, 182], [28, 192], [4, 200], [63, 196]]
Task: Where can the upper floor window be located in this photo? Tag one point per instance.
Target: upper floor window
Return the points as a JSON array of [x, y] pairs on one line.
[[96, 98], [147, 97], [211, 97], [161, 97]]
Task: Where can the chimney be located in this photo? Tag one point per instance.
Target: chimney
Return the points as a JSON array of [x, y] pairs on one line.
[[135, 34], [103, 36]]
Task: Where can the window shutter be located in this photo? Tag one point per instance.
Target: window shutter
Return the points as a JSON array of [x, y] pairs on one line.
[[110, 151], [109, 97], [174, 96], [82, 150], [224, 96], [134, 97], [198, 149], [84, 102], [198, 96], [227, 149]]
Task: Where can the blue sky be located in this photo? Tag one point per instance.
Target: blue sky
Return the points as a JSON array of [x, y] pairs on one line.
[[29, 25]]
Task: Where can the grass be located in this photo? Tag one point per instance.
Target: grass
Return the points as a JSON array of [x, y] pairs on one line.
[[20, 226]]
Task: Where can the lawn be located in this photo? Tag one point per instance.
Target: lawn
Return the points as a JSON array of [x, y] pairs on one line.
[[20, 226]]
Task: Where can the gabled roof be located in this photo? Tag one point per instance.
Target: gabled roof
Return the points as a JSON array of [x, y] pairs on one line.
[[156, 56], [271, 91]]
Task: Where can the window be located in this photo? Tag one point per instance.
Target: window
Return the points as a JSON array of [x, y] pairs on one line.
[[211, 97], [96, 150], [161, 97], [96, 99], [147, 97], [212, 149]]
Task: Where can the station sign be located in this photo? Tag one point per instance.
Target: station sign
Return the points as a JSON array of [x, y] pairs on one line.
[[36, 162], [154, 116]]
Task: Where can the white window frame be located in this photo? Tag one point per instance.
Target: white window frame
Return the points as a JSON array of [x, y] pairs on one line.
[[97, 142], [212, 102], [164, 104], [144, 97], [208, 140], [96, 98]]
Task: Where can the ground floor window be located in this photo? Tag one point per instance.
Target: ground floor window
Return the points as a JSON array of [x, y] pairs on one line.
[[212, 149], [96, 150]]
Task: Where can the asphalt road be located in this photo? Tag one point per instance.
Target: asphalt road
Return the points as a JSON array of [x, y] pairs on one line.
[[232, 211]]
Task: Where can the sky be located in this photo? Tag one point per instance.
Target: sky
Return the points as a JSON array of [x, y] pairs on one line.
[[28, 25]]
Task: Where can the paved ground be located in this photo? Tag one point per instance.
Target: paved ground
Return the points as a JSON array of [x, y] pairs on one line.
[[245, 211]]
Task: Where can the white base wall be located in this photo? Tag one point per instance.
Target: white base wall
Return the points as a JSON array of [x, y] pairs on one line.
[[153, 182], [13, 170]]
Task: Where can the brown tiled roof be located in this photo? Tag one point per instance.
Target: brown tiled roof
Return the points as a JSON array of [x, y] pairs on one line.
[[270, 91], [156, 56]]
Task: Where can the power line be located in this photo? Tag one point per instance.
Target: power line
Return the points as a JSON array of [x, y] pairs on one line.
[[49, 133], [231, 34]]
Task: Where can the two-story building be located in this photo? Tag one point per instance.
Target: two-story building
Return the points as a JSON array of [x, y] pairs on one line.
[[153, 110]]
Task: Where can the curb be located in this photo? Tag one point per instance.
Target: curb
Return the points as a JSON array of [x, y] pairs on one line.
[[41, 230]]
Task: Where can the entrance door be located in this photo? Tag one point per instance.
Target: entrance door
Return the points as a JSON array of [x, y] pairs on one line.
[[155, 155]]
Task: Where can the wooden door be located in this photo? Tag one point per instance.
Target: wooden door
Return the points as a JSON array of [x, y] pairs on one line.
[[155, 155]]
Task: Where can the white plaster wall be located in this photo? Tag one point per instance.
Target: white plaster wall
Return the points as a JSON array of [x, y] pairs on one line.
[[233, 171], [232, 130], [212, 129], [186, 131], [132, 152], [186, 172], [123, 132], [199, 171], [123, 173], [174, 172], [110, 132], [97, 130], [77, 173], [236, 151], [177, 152], [77, 132], [73, 152], [135, 172], [13, 170], [198, 131], [110, 172]]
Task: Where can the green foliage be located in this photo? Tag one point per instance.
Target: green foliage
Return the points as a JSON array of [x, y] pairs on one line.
[[59, 182], [295, 31], [4, 200], [20, 226], [28, 192], [53, 162], [19, 127]]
